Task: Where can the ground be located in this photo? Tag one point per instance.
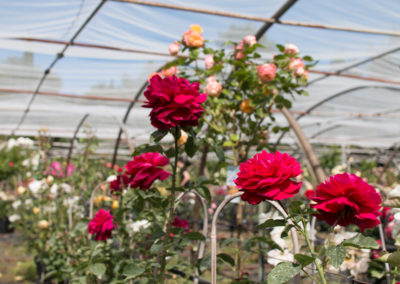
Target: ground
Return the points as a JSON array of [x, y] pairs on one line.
[[16, 265]]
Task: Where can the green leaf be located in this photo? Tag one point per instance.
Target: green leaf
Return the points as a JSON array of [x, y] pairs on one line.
[[272, 223], [303, 259], [97, 269], [204, 192], [227, 258], [228, 144], [336, 255], [133, 270], [234, 137], [194, 236], [361, 241], [205, 263], [190, 147], [391, 258], [159, 134], [155, 248], [283, 272], [280, 47], [307, 58], [220, 153]]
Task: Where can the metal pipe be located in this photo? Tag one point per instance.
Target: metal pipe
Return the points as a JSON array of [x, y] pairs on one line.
[[71, 147], [58, 57], [296, 247], [258, 19]]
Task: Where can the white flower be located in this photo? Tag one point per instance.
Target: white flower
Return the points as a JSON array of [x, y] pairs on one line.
[[14, 217], [11, 143], [139, 225], [66, 187], [28, 202], [276, 256], [111, 178], [35, 186], [276, 237], [16, 204], [54, 189], [25, 142], [28, 174], [3, 196], [396, 226], [71, 201], [35, 161]]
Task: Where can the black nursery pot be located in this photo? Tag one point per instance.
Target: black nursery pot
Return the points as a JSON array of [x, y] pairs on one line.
[[5, 226]]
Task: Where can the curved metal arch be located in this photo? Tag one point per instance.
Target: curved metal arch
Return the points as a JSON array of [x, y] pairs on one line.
[[71, 146], [318, 104]]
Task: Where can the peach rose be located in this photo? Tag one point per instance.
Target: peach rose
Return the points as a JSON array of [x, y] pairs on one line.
[[193, 37], [301, 72], [296, 63], [183, 139], [291, 48], [174, 48], [213, 87], [250, 40], [266, 72], [209, 61], [246, 106], [173, 70]]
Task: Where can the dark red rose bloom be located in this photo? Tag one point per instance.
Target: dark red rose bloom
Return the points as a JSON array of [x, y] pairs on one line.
[[268, 176], [119, 183], [346, 199], [181, 223], [174, 102], [102, 225], [144, 169]]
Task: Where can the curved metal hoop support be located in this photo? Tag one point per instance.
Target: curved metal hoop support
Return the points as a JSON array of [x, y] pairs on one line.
[[91, 200], [296, 247], [202, 244]]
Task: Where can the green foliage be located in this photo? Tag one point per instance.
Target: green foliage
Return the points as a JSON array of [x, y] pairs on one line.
[[283, 272]]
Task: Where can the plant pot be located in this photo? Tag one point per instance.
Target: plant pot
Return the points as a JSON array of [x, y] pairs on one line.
[[5, 226]]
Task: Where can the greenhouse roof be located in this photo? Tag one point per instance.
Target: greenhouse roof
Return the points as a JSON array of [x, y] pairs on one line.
[[65, 60]]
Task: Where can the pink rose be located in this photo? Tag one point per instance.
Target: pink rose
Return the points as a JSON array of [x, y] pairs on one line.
[[301, 72], [213, 87], [102, 225], [296, 63], [173, 70], [144, 169], [174, 48], [239, 54], [268, 176], [209, 61], [174, 102], [291, 48], [250, 40], [266, 72]]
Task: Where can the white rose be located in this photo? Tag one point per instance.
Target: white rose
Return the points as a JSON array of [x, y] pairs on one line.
[[14, 217], [16, 204], [66, 187], [35, 186], [111, 178], [139, 225], [54, 189]]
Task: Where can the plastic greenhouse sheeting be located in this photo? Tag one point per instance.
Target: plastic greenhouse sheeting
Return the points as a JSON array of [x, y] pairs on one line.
[[101, 81]]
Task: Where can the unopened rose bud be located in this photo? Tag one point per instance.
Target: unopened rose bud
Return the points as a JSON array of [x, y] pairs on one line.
[[21, 190], [209, 61], [290, 48], [35, 210], [183, 139], [174, 48], [115, 204], [44, 224], [250, 40], [49, 179], [246, 106]]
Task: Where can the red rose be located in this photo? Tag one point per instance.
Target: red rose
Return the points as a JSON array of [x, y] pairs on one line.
[[268, 176], [119, 183], [144, 169], [174, 102], [346, 199], [102, 225], [181, 223]]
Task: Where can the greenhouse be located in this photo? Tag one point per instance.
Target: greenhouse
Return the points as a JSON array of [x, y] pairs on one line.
[[174, 141]]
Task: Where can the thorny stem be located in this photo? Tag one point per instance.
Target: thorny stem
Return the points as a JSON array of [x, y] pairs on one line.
[[317, 265], [171, 209]]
